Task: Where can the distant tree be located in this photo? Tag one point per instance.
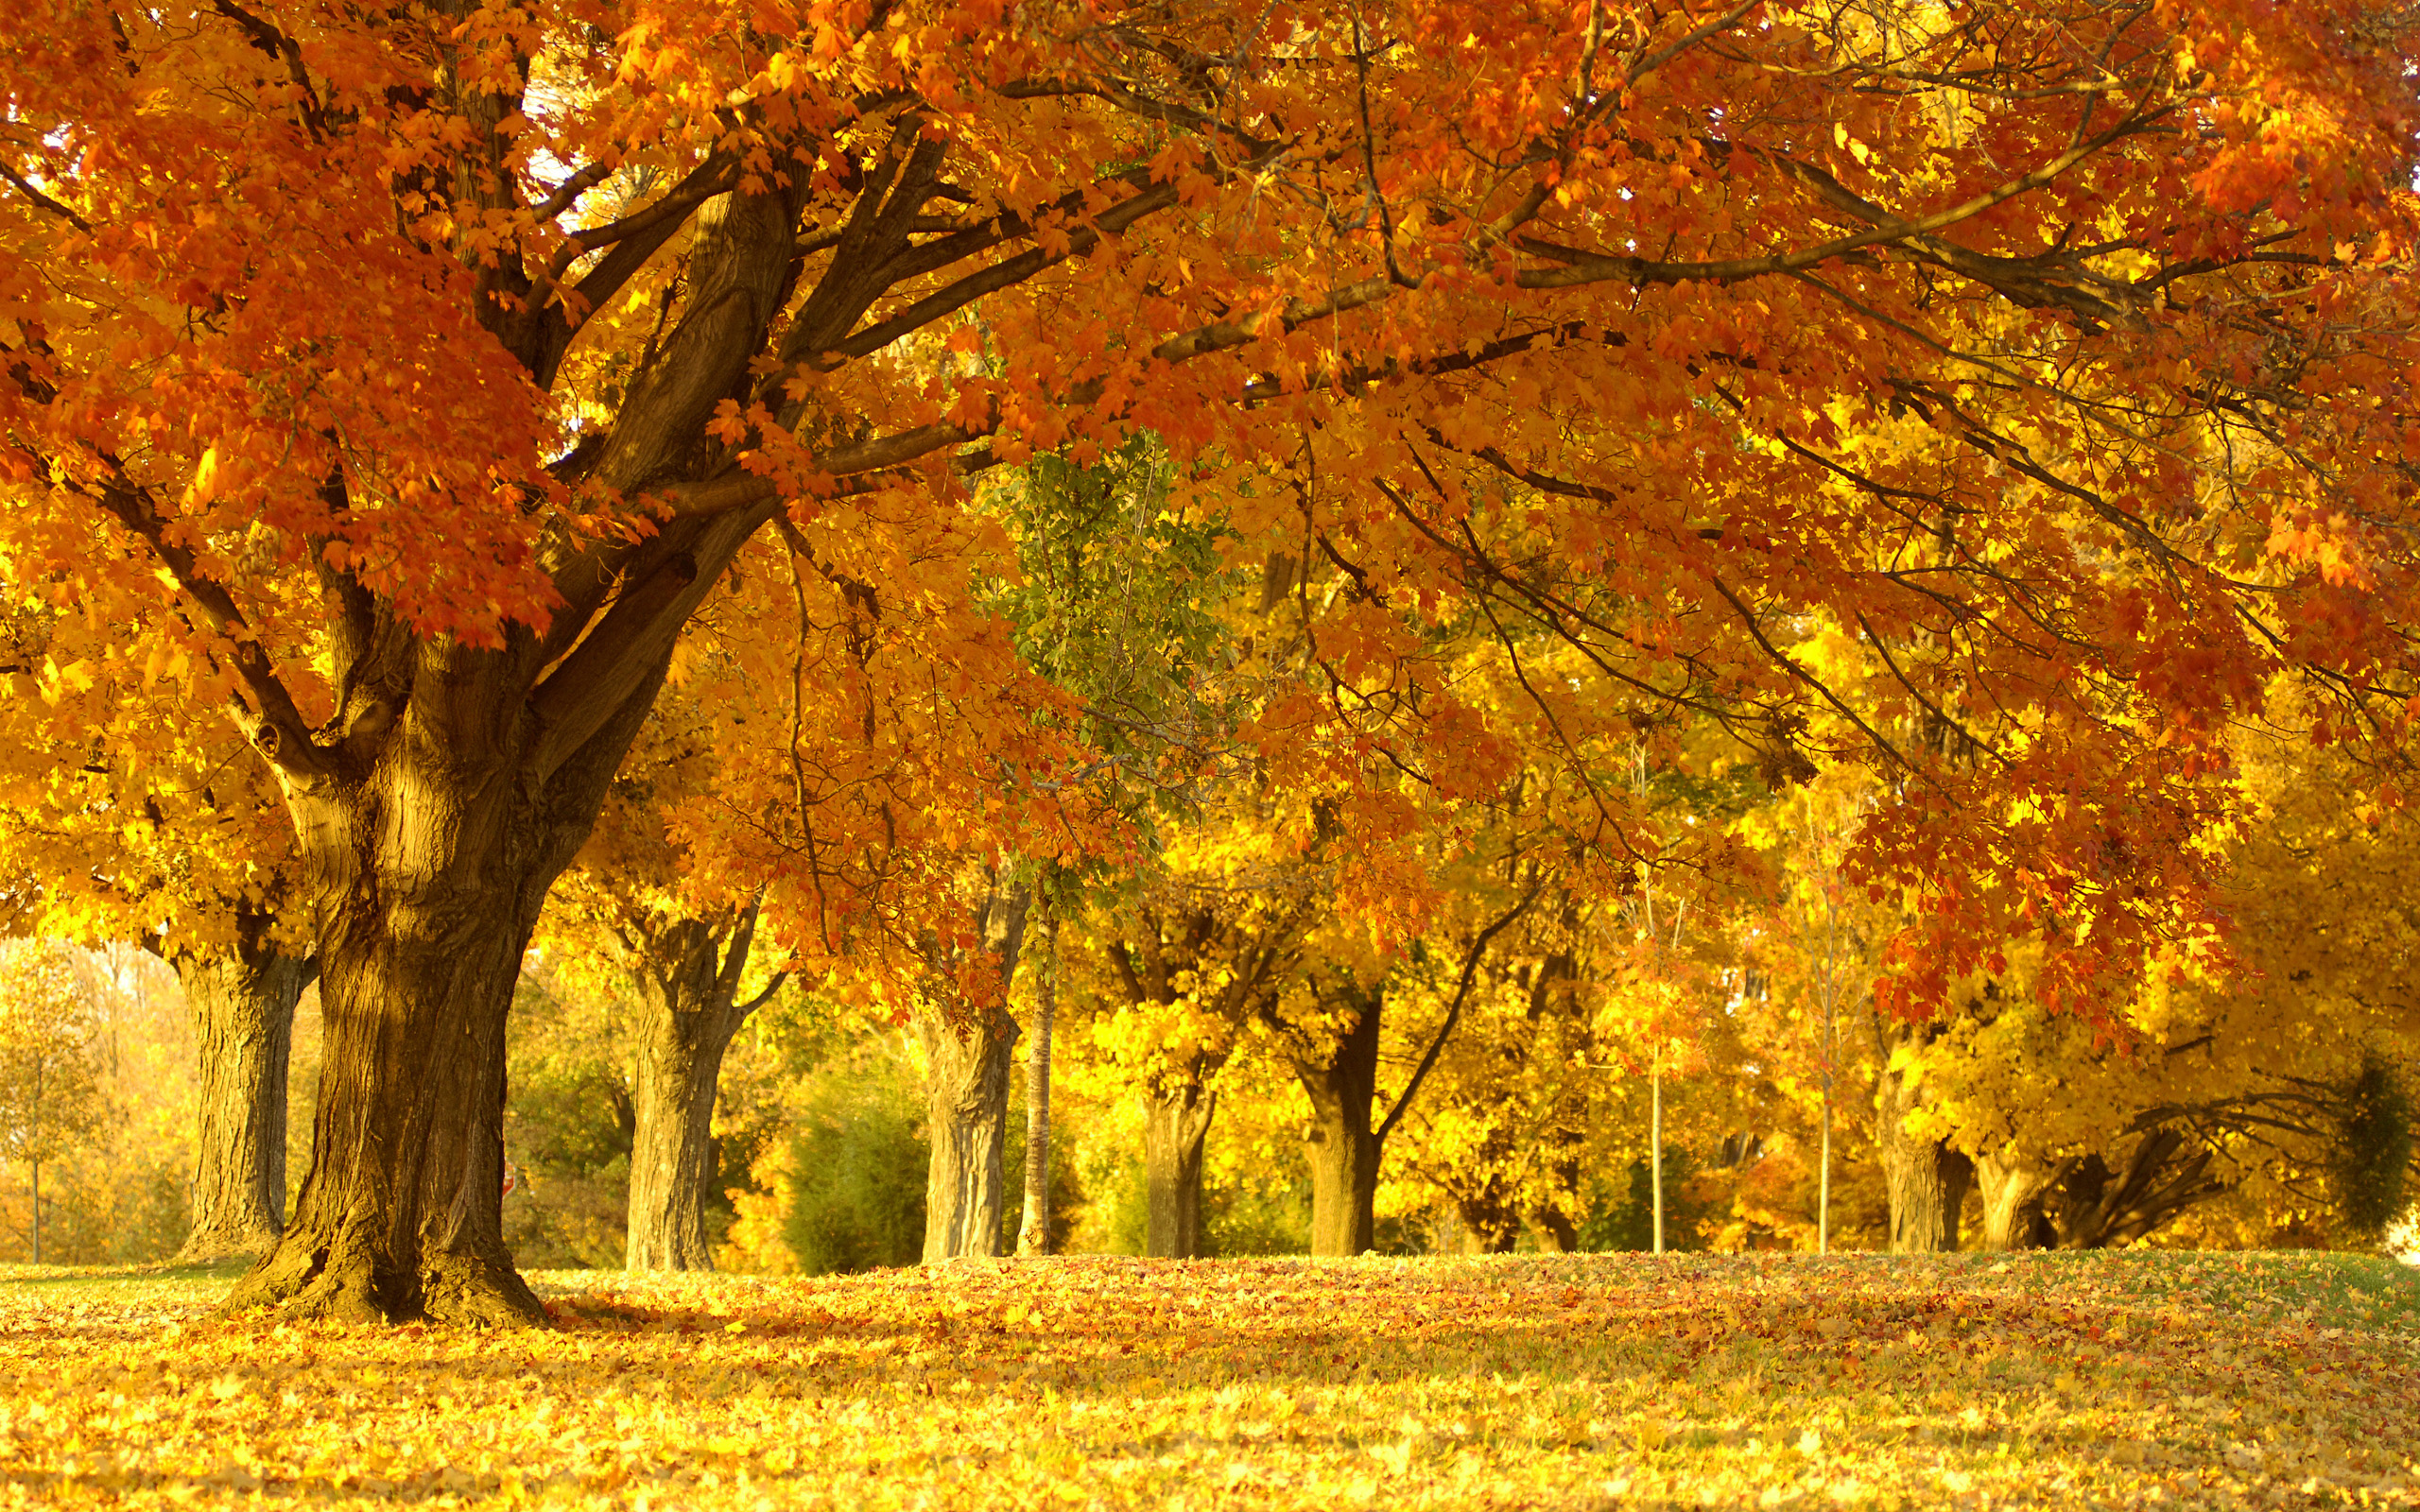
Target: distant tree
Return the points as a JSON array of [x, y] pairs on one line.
[[50, 1094]]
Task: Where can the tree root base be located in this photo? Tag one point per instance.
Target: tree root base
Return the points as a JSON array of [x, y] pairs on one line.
[[202, 1249], [305, 1281]]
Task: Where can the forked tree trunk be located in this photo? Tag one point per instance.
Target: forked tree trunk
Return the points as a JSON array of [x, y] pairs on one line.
[[689, 1009], [1343, 1146], [451, 786], [2011, 1188], [428, 866], [1178, 1102], [966, 1080], [1174, 1126], [2096, 1207], [242, 1004]]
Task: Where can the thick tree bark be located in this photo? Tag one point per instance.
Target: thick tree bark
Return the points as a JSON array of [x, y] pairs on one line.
[[1343, 1146], [689, 1008], [2011, 1188], [400, 1215], [242, 1004], [1175, 1123], [427, 859], [966, 1081], [967, 1070], [1034, 1227], [1925, 1179]]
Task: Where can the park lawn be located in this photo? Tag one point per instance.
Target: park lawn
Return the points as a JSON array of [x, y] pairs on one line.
[[2126, 1380]]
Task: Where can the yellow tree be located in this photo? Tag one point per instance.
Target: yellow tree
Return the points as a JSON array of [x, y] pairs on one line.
[[683, 958], [117, 829], [50, 1098], [2240, 1075], [1185, 968]]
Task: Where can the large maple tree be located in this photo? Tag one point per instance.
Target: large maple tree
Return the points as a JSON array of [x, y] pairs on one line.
[[406, 377]]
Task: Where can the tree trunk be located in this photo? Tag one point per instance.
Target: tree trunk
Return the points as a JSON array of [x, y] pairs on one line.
[[1342, 1147], [1490, 1224], [1033, 1228], [2013, 1188], [1174, 1127], [966, 1081], [1655, 1146], [447, 789], [402, 1216], [427, 863], [1926, 1178], [2095, 1207], [689, 1009], [967, 1070], [242, 1004]]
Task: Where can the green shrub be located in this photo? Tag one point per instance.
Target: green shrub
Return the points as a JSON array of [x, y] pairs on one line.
[[2370, 1175], [857, 1197], [567, 1127], [1623, 1217]]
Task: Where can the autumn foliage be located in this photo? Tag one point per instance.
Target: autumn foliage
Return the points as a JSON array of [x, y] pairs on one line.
[[444, 422]]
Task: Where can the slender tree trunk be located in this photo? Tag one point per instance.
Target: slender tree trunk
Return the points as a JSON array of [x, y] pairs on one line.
[[1655, 1148], [1033, 1228], [34, 1168], [1174, 1127], [1343, 1146], [966, 1084], [242, 1004], [689, 1008], [1831, 993]]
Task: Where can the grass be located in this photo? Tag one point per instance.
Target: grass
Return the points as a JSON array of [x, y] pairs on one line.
[[198, 1285], [2146, 1379]]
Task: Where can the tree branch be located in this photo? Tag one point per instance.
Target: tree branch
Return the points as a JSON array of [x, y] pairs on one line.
[[1454, 1013]]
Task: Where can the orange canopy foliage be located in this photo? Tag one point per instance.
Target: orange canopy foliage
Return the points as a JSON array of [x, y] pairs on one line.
[[406, 379], [1922, 316]]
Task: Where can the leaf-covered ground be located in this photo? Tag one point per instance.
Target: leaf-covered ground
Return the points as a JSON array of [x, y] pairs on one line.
[[1525, 1381]]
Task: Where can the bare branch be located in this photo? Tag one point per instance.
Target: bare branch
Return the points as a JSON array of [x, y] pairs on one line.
[[44, 201]]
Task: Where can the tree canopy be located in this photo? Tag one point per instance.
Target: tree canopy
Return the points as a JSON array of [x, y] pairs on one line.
[[2012, 399]]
